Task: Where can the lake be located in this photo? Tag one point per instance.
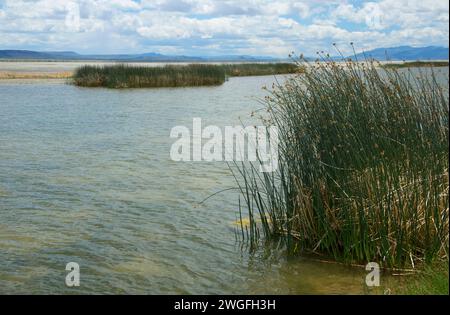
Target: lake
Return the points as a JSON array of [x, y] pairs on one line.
[[86, 177]]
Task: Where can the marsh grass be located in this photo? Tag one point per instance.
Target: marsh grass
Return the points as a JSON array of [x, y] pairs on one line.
[[129, 76], [416, 64], [257, 69], [363, 166]]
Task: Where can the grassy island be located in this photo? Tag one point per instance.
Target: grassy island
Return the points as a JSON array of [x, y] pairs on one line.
[[129, 76]]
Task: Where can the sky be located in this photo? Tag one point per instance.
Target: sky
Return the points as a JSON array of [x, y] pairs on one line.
[[228, 27]]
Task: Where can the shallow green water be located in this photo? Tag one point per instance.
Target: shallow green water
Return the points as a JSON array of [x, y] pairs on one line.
[[86, 176]]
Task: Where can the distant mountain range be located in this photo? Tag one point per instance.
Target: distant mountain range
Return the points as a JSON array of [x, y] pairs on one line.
[[392, 53], [149, 57], [407, 53]]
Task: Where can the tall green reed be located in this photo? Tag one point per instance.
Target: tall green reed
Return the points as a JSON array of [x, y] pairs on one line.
[[129, 76], [363, 166]]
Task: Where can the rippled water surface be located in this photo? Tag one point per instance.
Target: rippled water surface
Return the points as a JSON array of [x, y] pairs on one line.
[[86, 176]]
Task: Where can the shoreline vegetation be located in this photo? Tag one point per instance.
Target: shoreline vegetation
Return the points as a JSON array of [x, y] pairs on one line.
[[129, 76], [363, 168], [416, 64]]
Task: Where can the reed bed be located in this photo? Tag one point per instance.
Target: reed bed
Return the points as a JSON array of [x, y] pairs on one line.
[[129, 76], [363, 166]]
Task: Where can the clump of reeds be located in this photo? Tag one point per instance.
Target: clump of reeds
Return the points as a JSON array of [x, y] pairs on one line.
[[129, 76], [363, 166]]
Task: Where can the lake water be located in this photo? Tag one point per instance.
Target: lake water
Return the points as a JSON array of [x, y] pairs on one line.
[[86, 177]]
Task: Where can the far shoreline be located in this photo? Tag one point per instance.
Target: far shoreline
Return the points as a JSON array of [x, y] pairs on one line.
[[40, 69]]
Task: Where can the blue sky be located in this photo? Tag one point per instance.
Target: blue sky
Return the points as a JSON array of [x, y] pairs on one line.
[[213, 27]]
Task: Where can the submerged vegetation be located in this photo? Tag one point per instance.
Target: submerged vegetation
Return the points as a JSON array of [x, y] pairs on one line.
[[433, 280], [363, 167], [129, 76]]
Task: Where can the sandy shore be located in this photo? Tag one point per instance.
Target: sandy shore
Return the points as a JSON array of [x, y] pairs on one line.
[[60, 66], [34, 75]]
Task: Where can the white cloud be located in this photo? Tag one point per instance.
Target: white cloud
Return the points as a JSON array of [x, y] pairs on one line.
[[123, 4], [216, 27]]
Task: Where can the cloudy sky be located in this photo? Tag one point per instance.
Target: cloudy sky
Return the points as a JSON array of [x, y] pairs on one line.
[[220, 27]]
